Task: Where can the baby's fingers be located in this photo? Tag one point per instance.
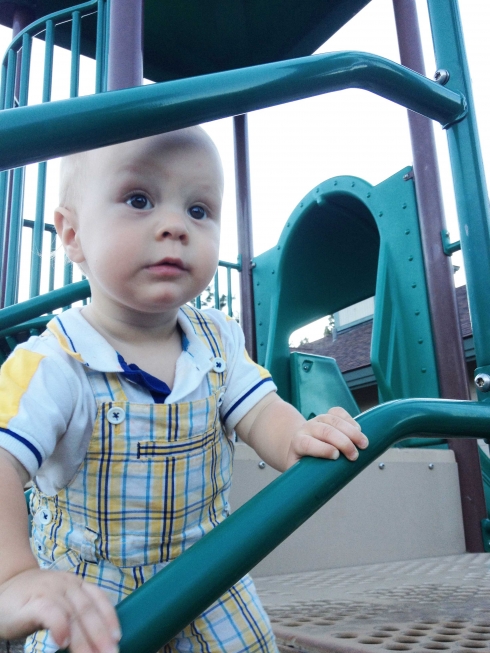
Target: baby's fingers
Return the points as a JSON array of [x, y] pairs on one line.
[[94, 628], [339, 420], [306, 444]]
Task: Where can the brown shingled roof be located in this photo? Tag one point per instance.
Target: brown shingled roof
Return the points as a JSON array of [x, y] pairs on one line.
[[351, 347]]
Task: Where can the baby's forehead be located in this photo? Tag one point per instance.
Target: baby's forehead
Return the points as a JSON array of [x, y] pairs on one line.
[[142, 156], [148, 154], [145, 150]]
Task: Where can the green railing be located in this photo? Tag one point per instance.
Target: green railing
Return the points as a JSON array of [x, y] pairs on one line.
[[14, 93], [161, 608]]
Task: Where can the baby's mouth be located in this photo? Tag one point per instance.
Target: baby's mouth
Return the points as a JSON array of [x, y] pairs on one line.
[[170, 266]]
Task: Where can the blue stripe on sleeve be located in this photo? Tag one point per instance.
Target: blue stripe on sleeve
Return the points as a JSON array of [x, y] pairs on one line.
[[247, 394], [25, 442]]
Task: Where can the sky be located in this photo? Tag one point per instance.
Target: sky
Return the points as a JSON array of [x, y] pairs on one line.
[[296, 146]]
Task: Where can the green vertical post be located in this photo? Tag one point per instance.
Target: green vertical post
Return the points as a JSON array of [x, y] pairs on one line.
[[15, 233], [74, 84], [100, 49], [3, 175], [52, 250], [229, 296], [38, 230], [216, 290], [474, 224], [468, 173]]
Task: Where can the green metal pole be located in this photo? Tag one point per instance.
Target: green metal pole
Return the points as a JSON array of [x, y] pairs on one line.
[[38, 231], [40, 132], [468, 173], [162, 607], [43, 304]]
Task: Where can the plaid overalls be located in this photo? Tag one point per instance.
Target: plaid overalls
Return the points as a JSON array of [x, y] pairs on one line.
[[155, 479]]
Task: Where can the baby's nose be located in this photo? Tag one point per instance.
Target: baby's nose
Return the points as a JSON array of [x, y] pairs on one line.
[[173, 225]]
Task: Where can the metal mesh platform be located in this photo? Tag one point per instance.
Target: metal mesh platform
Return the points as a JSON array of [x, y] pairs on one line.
[[434, 604]]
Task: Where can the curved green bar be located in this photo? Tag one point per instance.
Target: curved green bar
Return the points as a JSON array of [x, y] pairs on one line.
[[160, 609], [46, 303], [40, 132]]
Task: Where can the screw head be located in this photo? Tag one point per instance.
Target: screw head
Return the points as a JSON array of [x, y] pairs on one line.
[[381, 465], [431, 465], [482, 382], [441, 76], [262, 465]]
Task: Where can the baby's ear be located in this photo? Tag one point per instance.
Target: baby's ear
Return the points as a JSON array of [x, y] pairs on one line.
[[66, 224]]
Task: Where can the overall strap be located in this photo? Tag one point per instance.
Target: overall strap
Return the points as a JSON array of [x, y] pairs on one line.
[[106, 386], [208, 332]]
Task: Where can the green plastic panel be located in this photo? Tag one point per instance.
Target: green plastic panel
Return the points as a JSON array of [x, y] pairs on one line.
[[485, 470], [183, 39], [347, 241], [317, 385]]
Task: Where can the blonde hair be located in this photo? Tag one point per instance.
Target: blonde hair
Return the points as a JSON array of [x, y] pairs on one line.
[[72, 172]]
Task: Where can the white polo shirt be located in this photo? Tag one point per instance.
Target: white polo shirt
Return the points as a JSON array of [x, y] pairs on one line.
[[47, 407]]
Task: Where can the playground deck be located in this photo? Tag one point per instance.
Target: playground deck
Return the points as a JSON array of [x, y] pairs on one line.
[[430, 604]]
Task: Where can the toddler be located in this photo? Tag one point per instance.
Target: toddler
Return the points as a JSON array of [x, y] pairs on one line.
[[124, 411]]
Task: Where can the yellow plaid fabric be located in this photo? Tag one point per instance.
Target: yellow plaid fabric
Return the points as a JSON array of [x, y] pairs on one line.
[[155, 479]]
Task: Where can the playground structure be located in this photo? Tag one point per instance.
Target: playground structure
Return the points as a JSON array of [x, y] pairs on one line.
[[381, 239]]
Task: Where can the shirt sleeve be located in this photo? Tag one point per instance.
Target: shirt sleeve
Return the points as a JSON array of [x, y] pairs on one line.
[[37, 402], [246, 382]]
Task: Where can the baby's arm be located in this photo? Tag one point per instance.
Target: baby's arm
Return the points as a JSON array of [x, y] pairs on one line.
[[281, 435], [77, 614]]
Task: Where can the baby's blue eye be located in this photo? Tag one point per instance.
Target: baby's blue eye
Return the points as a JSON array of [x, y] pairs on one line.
[[139, 202], [197, 212]]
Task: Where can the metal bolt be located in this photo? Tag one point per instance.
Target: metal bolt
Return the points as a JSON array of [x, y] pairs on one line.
[[441, 76], [262, 465], [482, 382], [431, 465], [381, 465]]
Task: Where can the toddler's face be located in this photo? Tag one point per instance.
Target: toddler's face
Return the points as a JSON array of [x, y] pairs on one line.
[[146, 224]]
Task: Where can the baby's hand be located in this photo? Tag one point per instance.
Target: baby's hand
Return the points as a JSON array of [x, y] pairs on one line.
[[78, 614], [327, 436]]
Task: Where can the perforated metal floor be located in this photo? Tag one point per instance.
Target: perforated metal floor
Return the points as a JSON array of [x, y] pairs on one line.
[[435, 604]]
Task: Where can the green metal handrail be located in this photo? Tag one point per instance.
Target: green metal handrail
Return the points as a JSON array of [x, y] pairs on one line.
[[161, 608], [37, 133]]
